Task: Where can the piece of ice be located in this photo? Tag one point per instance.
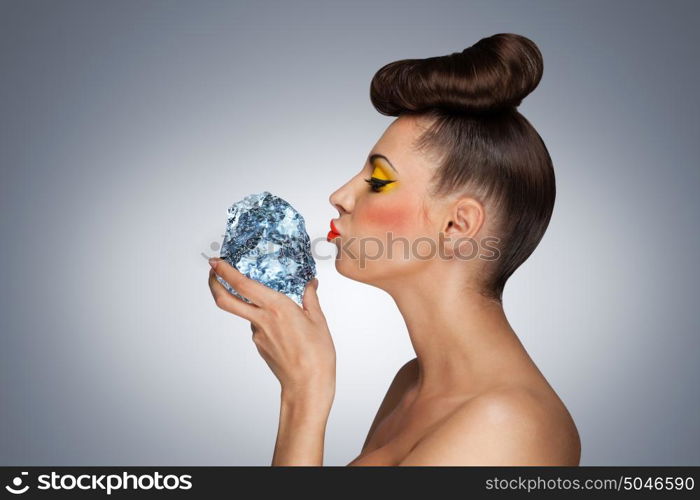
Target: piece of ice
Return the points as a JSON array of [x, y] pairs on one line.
[[266, 240]]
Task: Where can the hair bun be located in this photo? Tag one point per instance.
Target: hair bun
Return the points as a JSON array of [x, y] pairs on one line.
[[494, 74]]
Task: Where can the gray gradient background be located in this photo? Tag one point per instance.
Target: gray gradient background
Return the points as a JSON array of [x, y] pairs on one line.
[[126, 130]]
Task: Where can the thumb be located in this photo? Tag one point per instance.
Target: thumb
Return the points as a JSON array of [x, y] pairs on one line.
[[310, 299]]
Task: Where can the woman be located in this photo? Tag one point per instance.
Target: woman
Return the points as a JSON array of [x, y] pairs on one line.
[[454, 196]]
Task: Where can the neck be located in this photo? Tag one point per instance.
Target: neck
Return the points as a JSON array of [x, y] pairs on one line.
[[462, 339]]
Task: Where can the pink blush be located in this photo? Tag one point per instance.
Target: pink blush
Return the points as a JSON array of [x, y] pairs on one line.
[[395, 219]]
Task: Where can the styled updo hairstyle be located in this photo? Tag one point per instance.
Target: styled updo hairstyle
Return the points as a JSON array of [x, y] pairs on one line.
[[485, 147]]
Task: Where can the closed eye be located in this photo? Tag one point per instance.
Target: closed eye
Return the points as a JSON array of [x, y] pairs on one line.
[[376, 185]]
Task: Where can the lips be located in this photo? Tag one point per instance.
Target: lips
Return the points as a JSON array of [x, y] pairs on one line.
[[333, 233]]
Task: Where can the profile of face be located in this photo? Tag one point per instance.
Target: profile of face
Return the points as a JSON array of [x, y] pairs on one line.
[[389, 224]]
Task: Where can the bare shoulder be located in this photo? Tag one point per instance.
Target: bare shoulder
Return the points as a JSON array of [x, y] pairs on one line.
[[408, 372], [508, 426], [405, 376]]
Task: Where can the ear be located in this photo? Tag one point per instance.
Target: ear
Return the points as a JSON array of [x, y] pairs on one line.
[[463, 222]]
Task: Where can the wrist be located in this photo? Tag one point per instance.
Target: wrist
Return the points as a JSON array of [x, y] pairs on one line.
[[302, 429], [313, 400], [309, 389]]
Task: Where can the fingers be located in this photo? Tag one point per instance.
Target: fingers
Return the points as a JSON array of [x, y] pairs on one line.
[[253, 290], [229, 302], [310, 299]]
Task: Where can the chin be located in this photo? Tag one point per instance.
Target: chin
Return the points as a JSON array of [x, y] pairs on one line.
[[374, 273], [349, 268]]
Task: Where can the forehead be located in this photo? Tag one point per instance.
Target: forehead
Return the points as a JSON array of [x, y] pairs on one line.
[[397, 144]]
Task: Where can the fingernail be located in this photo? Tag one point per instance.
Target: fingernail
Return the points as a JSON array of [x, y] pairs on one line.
[[213, 262]]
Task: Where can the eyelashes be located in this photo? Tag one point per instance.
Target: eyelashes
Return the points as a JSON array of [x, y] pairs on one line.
[[376, 185]]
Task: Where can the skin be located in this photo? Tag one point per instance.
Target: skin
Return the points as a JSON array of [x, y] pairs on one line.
[[472, 395]]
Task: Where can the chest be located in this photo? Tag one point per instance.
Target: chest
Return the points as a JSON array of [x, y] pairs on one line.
[[399, 432]]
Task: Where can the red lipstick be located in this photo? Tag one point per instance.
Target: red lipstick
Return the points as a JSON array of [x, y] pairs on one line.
[[333, 232]]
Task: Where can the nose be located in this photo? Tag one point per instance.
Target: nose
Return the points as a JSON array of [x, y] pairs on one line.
[[343, 198]]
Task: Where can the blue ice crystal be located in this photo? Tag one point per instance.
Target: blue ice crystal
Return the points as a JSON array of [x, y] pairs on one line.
[[266, 240]]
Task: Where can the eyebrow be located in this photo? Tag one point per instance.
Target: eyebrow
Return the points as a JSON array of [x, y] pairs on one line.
[[375, 156]]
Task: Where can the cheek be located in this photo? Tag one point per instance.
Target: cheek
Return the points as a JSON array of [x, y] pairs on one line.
[[397, 218], [387, 219]]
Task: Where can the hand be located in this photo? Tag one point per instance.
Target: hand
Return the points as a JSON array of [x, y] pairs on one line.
[[294, 341]]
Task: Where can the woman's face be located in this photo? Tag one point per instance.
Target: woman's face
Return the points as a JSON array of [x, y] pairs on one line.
[[385, 226]]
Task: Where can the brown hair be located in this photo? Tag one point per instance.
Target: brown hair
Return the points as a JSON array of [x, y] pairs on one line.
[[486, 147]]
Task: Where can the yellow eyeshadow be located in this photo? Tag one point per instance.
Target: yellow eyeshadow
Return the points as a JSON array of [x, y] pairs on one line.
[[380, 173]]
